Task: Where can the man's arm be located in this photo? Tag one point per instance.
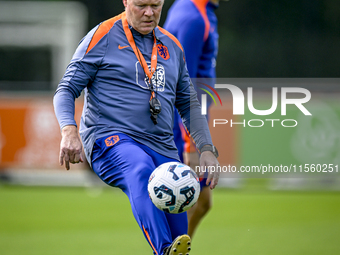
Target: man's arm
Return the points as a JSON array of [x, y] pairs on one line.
[[195, 123], [79, 74], [191, 34]]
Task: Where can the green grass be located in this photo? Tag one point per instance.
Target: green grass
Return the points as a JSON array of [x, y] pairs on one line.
[[250, 221]]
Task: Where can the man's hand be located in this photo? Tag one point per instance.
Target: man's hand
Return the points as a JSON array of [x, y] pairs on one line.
[[209, 161], [70, 147]]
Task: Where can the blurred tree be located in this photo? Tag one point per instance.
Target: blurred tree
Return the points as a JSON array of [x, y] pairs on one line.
[[279, 38], [294, 38]]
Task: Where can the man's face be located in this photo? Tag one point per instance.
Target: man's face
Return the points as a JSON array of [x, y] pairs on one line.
[[143, 15]]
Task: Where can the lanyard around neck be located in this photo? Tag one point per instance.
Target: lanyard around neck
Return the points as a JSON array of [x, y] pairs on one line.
[[139, 55]]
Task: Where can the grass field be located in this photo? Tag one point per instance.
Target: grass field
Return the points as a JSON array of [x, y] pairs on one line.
[[250, 221]]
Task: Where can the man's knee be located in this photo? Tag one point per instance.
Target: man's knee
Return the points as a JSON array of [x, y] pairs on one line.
[[205, 203]]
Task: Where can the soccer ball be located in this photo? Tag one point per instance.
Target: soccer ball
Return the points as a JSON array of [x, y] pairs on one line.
[[173, 187]]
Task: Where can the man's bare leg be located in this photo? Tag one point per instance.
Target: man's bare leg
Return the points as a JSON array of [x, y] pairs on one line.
[[199, 210]]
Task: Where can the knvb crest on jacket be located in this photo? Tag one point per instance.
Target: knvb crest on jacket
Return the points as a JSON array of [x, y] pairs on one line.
[[158, 78], [163, 51]]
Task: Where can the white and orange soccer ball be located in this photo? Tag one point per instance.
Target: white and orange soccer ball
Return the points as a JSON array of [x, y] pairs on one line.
[[173, 187]]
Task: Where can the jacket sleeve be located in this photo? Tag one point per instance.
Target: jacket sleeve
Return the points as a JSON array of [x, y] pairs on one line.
[[191, 36], [79, 74], [190, 110]]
